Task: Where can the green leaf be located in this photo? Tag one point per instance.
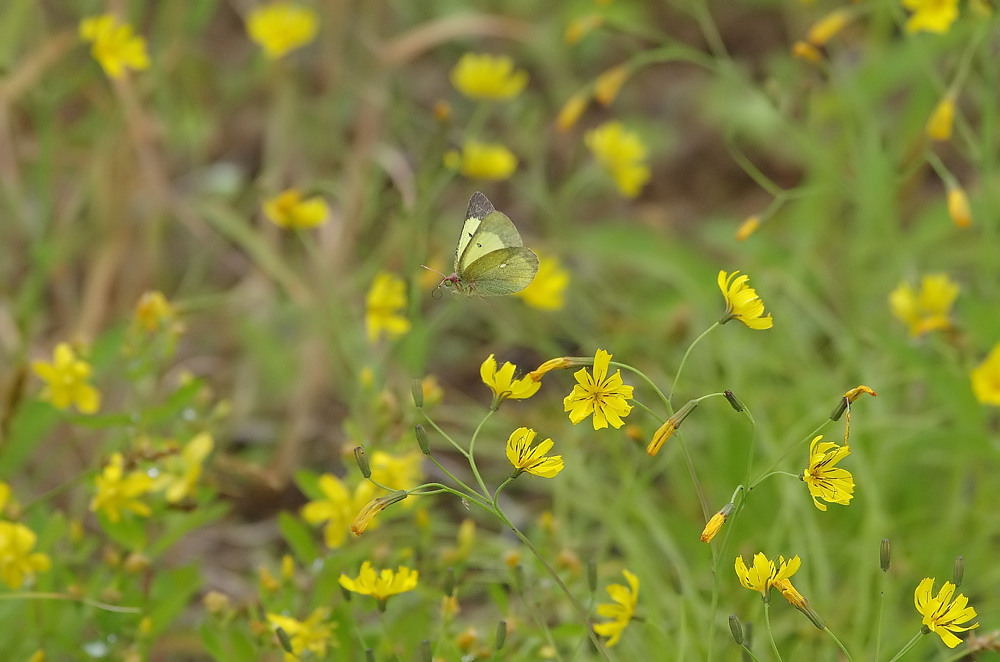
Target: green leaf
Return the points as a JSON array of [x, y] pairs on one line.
[[29, 424], [180, 524], [171, 592], [299, 538]]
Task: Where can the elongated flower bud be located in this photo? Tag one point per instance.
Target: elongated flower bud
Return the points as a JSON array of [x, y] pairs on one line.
[[884, 555], [362, 460], [422, 439]]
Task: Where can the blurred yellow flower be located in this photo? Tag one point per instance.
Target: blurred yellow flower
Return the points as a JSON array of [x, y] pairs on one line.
[[312, 635], [824, 479], [382, 585], [622, 153], [385, 302], [806, 51], [747, 227], [928, 309], [742, 302], [548, 290], [986, 379], [289, 210], [397, 472], [763, 574], [827, 27], [958, 206], [337, 508], [599, 394], [931, 15], [281, 27], [153, 311], [4, 496], [485, 76], [571, 112], [581, 27], [621, 610], [609, 84], [943, 614], [114, 46], [17, 562], [503, 384], [524, 457], [490, 161], [117, 491], [180, 473], [942, 118], [66, 381]]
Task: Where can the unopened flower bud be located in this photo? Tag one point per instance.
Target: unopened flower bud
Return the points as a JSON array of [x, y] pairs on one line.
[[373, 508], [884, 555], [958, 207], [733, 401], [736, 628], [716, 522], [959, 573], [417, 391], [362, 460], [669, 427], [421, 435], [839, 409], [501, 635], [747, 227], [284, 640]]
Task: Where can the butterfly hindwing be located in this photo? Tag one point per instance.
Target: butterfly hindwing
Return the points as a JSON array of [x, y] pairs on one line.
[[494, 233], [503, 271]]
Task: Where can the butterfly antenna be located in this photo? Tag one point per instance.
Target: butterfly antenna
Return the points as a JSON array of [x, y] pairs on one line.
[[434, 270]]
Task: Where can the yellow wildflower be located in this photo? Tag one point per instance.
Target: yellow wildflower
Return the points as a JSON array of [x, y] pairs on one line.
[[314, 634], [742, 302], [289, 210], [986, 379], [524, 457], [503, 384], [958, 206], [715, 523], [931, 15], [943, 614], [153, 311], [942, 118], [548, 290], [384, 305], [490, 161], [117, 491], [806, 51], [4, 496], [17, 562], [485, 76], [114, 46], [66, 381], [581, 27], [281, 27], [747, 227], [382, 585], [337, 508], [397, 472], [928, 309], [763, 574], [572, 110], [827, 27], [621, 610], [180, 473], [824, 479], [622, 153], [599, 394], [609, 84]]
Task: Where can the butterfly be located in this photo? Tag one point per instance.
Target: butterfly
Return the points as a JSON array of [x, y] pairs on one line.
[[490, 258]]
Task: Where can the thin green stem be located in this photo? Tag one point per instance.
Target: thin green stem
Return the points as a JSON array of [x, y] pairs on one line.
[[881, 608], [472, 450], [847, 653], [770, 632], [906, 649], [650, 382], [453, 477], [35, 595], [788, 452], [680, 368], [444, 434]]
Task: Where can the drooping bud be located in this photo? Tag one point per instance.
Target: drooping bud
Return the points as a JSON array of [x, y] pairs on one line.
[[733, 401], [716, 522], [422, 442], [669, 427], [362, 460]]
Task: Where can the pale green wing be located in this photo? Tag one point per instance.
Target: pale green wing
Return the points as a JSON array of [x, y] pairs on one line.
[[502, 271], [494, 233], [479, 208]]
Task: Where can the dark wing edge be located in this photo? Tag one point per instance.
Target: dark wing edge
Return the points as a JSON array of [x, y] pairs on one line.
[[479, 206]]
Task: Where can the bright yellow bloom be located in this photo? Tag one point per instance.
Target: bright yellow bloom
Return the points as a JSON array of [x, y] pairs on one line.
[[622, 153], [314, 634], [926, 310], [609, 84], [384, 305], [66, 381], [337, 509], [942, 118], [382, 585], [485, 76], [548, 290], [621, 610], [397, 472], [114, 46], [599, 394], [931, 15], [572, 110], [763, 574], [289, 210], [986, 379], [742, 302], [823, 478], [282, 27], [958, 206], [503, 384], [180, 473], [153, 311], [117, 491], [17, 562], [533, 460], [490, 161], [942, 614]]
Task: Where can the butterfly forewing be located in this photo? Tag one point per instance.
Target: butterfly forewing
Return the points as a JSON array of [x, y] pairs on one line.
[[503, 271], [479, 208], [494, 233]]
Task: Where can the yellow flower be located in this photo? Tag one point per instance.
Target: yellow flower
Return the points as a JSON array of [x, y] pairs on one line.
[[715, 523], [931, 15], [581, 27], [17, 562], [337, 509], [382, 585], [289, 210], [742, 302], [548, 290], [503, 384], [609, 84], [533, 460], [942, 118], [571, 112], [117, 491], [153, 311], [478, 160], [485, 76], [114, 46], [827, 27], [986, 379], [598, 394], [4, 496], [180, 473], [384, 304], [958, 206], [313, 634], [763, 574], [622, 153], [66, 381], [806, 51], [823, 478], [402, 472], [747, 227], [282, 27], [926, 310], [942, 614], [621, 610]]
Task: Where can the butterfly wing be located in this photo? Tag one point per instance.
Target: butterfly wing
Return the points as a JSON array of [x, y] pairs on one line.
[[496, 232], [479, 208], [502, 271]]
